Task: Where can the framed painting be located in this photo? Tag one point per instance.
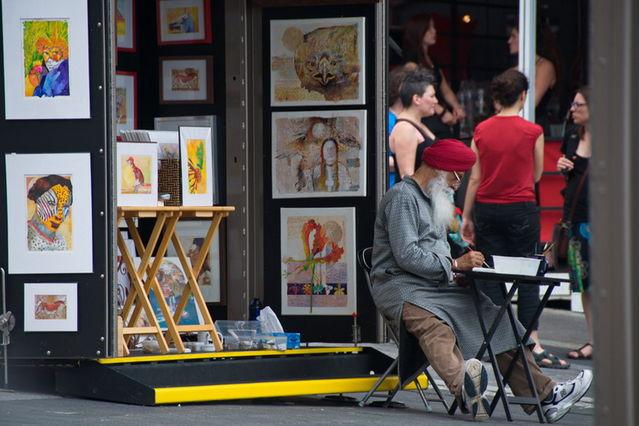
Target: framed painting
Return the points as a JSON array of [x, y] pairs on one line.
[[49, 221], [317, 61], [126, 108], [191, 235], [184, 21], [172, 280], [174, 123], [50, 307], [46, 59], [137, 173], [186, 80], [318, 154], [318, 261], [125, 25], [196, 166]]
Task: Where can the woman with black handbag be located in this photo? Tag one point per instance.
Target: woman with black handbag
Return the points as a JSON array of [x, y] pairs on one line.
[[574, 165]]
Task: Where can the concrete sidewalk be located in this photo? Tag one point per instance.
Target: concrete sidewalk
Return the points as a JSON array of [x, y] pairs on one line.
[[560, 331]]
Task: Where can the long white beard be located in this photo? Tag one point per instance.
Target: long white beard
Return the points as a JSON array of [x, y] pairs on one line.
[[441, 197]]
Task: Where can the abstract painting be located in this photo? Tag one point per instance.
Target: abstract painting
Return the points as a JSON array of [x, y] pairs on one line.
[[125, 25], [317, 61], [125, 101], [50, 222], [197, 168], [318, 261], [318, 154], [137, 173], [191, 235], [186, 79], [46, 70], [184, 21], [50, 307], [172, 280]]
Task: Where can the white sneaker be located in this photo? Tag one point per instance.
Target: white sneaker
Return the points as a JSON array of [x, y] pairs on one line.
[[474, 388], [565, 395]]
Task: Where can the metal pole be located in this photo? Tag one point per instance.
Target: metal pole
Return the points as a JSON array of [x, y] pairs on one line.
[[4, 312], [528, 51]]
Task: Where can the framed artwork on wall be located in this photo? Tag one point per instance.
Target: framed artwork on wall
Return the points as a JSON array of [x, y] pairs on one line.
[[191, 235], [50, 307], [196, 166], [318, 154], [126, 108], [137, 173], [174, 123], [49, 218], [184, 21], [317, 61], [125, 25], [317, 249], [186, 79], [46, 59]]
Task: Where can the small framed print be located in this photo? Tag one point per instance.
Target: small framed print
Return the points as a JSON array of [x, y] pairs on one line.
[[186, 80], [184, 21], [50, 307], [125, 25], [196, 166], [126, 108], [137, 174]]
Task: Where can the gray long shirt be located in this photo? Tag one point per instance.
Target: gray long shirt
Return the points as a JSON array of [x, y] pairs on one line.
[[412, 263]]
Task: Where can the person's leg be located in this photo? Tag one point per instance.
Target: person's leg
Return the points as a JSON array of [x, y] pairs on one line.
[[490, 240]]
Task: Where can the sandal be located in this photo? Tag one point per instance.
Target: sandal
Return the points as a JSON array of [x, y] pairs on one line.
[[579, 353], [542, 359]]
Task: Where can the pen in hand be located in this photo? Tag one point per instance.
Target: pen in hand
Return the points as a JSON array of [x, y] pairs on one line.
[[469, 249]]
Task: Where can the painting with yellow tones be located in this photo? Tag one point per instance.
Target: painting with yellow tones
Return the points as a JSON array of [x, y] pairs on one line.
[[46, 57], [136, 174], [196, 166], [184, 21], [49, 213], [196, 154], [125, 25], [50, 306]]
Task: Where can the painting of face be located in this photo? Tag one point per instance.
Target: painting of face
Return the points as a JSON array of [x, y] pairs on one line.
[[329, 152], [46, 54], [49, 200]]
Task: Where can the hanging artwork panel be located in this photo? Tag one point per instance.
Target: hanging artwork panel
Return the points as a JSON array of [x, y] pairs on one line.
[[125, 25], [46, 59], [318, 154], [318, 261], [51, 307], [50, 216], [317, 61], [137, 174], [184, 21], [126, 109], [186, 79], [196, 166]]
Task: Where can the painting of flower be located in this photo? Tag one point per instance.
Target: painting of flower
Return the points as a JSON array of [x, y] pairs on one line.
[[317, 249]]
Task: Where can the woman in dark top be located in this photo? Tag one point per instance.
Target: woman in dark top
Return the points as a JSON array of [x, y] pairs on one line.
[[574, 165], [419, 34]]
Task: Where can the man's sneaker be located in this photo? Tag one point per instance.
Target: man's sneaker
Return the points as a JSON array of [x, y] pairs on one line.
[[565, 395], [474, 387]]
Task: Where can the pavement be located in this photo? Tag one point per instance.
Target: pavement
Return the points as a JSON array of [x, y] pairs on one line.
[[560, 331]]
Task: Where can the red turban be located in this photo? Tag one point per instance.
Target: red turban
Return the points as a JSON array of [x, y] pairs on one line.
[[450, 155]]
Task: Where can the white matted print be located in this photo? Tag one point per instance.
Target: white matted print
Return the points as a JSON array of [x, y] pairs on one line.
[[191, 235], [137, 174], [46, 59], [184, 21], [125, 25], [126, 109], [50, 307], [186, 79], [49, 221], [318, 154], [318, 261], [317, 61], [196, 165]]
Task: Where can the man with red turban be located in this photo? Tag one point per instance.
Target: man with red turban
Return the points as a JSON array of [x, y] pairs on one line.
[[414, 288]]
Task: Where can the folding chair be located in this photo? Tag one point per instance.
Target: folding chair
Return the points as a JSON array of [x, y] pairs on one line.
[[407, 370]]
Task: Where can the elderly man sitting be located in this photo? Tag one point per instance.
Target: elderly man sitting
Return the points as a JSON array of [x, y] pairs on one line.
[[413, 282]]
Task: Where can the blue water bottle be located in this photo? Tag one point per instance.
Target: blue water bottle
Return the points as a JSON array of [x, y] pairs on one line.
[[254, 309]]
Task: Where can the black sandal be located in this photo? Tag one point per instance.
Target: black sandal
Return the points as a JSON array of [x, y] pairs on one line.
[[542, 359], [580, 353]]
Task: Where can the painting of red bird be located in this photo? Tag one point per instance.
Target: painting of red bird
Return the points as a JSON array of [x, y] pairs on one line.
[[138, 176], [50, 307]]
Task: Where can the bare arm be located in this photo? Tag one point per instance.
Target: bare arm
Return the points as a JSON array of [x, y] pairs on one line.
[[403, 142], [449, 95], [468, 227], [545, 78], [539, 157]]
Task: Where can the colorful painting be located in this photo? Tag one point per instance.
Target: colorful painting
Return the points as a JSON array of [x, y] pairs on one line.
[[46, 59], [172, 280], [317, 61], [125, 101], [185, 79], [137, 173], [50, 223], [191, 235], [196, 166], [125, 25], [184, 21], [318, 261], [50, 307], [318, 154]]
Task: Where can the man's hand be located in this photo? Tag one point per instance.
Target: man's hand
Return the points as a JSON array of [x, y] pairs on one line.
[[469, 261]]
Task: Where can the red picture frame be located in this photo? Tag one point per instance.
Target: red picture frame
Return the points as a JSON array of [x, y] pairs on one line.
[[129, 81], [176, 23], [125, 18]]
